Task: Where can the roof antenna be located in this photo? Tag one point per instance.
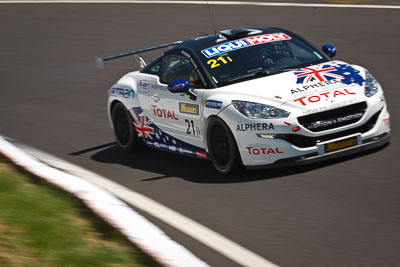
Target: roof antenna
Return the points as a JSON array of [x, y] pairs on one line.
[[212, 20]]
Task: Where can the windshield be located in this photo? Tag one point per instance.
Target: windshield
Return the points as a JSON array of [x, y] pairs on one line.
[[258, 56]]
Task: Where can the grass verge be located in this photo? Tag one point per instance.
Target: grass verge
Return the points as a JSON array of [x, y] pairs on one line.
[[41, 225]]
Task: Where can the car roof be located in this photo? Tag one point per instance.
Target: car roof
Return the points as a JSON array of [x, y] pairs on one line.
[[203, 42]]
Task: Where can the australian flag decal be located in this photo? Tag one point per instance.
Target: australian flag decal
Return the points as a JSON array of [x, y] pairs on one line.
[[325, 72], [151, 135]]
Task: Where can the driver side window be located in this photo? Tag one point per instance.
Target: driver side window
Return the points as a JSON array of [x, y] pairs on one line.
[[177, 66]]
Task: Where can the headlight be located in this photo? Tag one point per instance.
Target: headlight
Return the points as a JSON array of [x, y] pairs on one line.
[[259, 111], [371, 84]]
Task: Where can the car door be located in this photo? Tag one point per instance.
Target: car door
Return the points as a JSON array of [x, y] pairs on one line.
[[177, 114]]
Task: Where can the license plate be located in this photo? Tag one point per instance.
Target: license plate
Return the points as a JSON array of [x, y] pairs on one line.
[[333, 146]]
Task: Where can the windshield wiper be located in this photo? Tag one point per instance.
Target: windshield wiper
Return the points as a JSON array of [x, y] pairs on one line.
[[272, 72]]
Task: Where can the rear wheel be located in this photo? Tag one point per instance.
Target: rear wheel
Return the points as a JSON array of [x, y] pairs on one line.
[[222, 147], [124, 131]]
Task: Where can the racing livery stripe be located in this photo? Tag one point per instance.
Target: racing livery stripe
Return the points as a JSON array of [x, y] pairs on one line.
[[151, 135]]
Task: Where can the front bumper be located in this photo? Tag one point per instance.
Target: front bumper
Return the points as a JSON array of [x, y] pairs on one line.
[[368, 144], [280, 146]]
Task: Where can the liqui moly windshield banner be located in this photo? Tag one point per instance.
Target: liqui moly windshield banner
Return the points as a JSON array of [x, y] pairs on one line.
[[241, 43]]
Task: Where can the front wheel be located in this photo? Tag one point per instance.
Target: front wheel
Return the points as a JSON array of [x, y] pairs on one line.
[[222, 147], [124, 131]]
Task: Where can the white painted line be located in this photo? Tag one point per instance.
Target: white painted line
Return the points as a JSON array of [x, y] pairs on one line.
[[238, 3], [210, 238]]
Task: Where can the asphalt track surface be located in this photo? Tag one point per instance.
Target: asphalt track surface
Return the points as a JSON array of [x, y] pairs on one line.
[[338, 213]]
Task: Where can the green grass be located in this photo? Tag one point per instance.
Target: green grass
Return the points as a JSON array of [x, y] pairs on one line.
[[41, 225]]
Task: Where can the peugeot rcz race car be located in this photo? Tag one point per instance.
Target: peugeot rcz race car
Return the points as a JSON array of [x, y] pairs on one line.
[[254, 97]]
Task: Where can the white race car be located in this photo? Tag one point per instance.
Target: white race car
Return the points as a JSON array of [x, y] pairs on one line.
[[254, 97]]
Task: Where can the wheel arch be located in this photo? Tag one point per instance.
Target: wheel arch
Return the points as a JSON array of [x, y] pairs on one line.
[[206, 123], [110, 108], [225, 119], [234, 160]]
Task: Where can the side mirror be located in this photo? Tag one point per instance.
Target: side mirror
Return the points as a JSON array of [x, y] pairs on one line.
[[179, 86], [330, 50]]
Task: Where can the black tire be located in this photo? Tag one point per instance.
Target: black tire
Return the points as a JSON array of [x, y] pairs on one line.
[[124, 131], [222, 147]]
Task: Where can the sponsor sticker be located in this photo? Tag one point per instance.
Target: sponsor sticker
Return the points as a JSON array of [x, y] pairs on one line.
[[163, 113], [339, 120], [188, 108], [241, 43], [316, 87], [143, 86], [213, 104], [254, 127], [158, 87], [386, 121], [304, 101], [122, 92], [263, 150], [144, 83], [201, 154], [329, 107]]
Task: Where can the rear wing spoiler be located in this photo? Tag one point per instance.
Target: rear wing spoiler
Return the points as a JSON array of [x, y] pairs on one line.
[[100, 61]]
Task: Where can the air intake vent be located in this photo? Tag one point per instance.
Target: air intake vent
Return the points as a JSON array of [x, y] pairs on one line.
[[233, 34], [333, 118]]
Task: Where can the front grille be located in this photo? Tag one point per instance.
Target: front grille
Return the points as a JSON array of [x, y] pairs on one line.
[[333, 118], [306, 141]]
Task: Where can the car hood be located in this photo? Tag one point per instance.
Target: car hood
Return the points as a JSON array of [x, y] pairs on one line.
[[319, 85]]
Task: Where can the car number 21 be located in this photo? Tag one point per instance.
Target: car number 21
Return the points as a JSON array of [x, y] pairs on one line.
[[214, 62], [191, 129]]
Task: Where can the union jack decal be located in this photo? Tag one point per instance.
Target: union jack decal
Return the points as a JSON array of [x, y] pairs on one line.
[[318, 73], [142, 126]]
